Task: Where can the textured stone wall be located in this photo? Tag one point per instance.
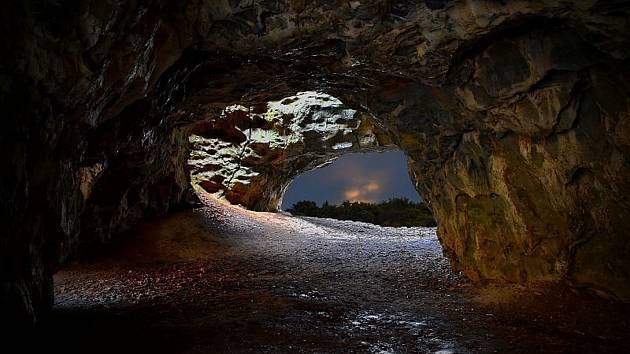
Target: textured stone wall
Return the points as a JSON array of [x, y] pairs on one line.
[[513, 116], [84, 149], [540, 190]]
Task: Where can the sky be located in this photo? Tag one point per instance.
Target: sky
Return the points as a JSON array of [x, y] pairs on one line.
[[368, 177]]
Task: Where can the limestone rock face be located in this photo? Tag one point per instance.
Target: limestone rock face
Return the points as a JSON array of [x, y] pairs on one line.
[[250, 158], [514, 117]]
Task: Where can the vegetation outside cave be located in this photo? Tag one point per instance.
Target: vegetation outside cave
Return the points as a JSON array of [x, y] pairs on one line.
[[395, 212]]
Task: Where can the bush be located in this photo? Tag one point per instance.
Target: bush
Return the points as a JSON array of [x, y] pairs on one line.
[[394, 212], [305, 207]]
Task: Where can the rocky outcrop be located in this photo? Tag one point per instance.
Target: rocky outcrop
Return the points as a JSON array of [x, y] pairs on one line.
[[513, 116], [250, 156]]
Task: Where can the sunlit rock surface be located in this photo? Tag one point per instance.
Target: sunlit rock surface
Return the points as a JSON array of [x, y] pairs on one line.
[[265, 151], [514, 116]]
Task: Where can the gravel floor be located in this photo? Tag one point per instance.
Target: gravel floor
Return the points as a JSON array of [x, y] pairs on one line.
[[222, 279]]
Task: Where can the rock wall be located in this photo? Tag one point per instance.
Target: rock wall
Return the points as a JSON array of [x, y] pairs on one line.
[[513, 116], [540, 191], [529, 183], [84, 149]]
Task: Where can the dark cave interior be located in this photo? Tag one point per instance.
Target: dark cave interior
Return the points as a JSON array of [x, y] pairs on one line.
[[513, 117]]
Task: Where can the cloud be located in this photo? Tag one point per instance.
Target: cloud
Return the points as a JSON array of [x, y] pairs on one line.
[[352, 194], [372, 187], [368, 192]]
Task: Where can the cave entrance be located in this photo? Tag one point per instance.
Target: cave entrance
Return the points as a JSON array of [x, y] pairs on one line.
[[372, 187], [250, 154]]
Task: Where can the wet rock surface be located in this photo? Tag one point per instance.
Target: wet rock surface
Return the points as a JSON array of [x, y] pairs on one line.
[[223, 279]]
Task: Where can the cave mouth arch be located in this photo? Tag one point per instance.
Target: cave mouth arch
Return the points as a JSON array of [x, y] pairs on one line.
[[249, 155]]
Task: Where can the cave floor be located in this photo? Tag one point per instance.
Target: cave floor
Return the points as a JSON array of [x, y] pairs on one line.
[[223, 279]]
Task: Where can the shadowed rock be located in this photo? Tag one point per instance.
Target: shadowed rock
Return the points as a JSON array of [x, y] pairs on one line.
[[514, 118]]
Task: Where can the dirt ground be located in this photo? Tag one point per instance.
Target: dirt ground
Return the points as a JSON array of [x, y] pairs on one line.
[[220, 279]]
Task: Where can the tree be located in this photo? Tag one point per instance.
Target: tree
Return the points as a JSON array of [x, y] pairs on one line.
[[304, 207], [393, 212]]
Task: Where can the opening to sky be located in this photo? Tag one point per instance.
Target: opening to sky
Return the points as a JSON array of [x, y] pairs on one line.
[[366, 177]]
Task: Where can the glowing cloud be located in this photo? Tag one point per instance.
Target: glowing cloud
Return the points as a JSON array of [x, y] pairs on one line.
[[365, 193], [352, 194], [372, 187]]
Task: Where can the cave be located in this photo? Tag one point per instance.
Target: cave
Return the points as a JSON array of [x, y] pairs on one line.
[[126, 119], [250, 155]]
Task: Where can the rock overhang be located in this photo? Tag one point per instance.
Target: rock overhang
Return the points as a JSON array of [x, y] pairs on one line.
[[290, 136]]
